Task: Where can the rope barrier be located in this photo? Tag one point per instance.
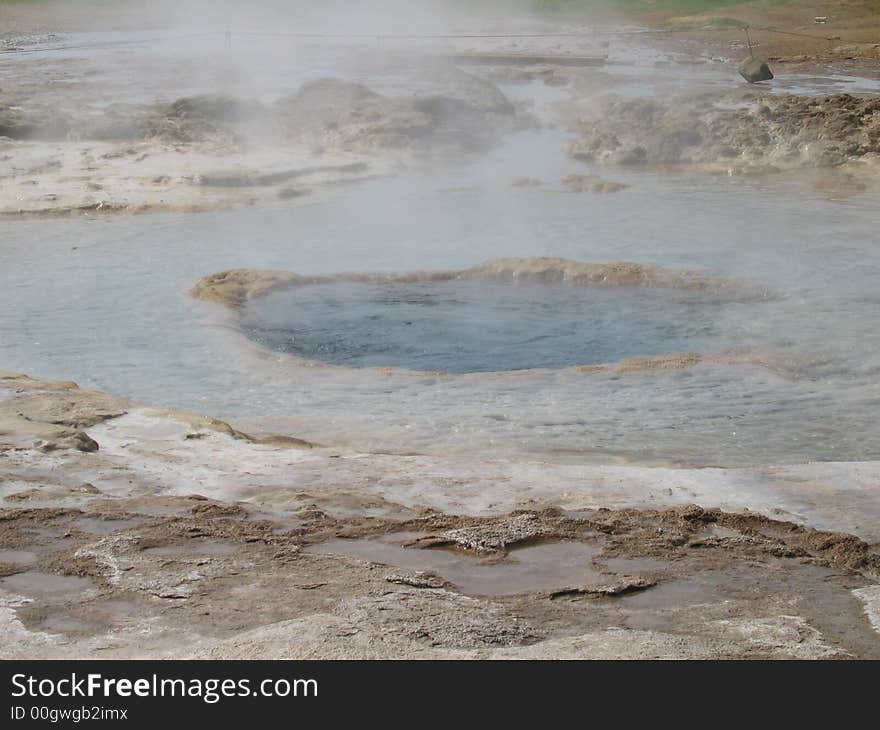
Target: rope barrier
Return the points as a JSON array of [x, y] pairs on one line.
[[801, 35]]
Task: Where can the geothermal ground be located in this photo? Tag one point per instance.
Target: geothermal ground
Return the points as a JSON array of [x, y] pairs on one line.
[[700, 480], [135, 532]]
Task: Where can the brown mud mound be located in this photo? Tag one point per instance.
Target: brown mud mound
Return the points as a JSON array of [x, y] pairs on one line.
[[349, 116], [235, 287], [200, 118], [72, 156], [578, 273], [51, 416], [330, 113], [761, 130], [36, 123], [592, 184]]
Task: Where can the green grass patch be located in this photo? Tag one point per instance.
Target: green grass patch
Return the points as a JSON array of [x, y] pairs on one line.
[[726, 23], [684, 7]]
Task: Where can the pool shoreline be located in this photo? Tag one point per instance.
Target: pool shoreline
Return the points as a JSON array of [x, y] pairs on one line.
[[232, 500]]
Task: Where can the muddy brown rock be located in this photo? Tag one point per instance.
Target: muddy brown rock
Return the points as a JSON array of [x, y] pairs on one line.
[[418, 579], [52, 416], [490, 537], [235, 287], [7, 569], [592, 184], [83, 158], [196, 118], [78, 440], [755, 70], [784, 131], [345, 115], [622, 587]]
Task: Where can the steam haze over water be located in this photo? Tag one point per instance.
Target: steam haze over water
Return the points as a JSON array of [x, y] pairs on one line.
[[103, 300]]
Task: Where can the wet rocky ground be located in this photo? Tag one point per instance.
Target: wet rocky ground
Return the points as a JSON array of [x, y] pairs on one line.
[[204, 128], [740, 131], [133, 532], [60, 156]]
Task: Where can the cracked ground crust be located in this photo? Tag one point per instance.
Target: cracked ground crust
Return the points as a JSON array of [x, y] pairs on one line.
[[102, 554], [211, 580]]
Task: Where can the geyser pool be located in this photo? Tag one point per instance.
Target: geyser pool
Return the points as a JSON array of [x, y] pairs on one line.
[[474, 325], [102, 300]]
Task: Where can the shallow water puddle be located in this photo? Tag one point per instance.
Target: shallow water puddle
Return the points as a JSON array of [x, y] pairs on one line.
[[98, 526], [65, 624], [109, 612], [811, 592], [35, 583], [22, 557], [525, 570], [85, 618]]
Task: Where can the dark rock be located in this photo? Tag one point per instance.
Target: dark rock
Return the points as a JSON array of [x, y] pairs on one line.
[[68, 439], [755, 70], [81, 441]]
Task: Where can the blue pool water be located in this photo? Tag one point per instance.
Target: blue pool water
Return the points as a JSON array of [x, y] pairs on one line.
[[465, 326]]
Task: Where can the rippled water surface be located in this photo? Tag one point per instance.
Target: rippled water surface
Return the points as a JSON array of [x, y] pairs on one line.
[[792, 378], [103, 301], [478, 326]]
